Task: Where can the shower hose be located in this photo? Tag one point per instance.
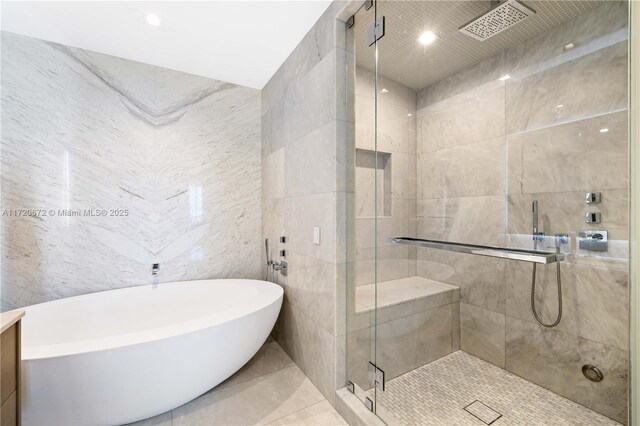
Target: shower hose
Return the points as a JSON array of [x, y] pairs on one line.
[[533, 291]]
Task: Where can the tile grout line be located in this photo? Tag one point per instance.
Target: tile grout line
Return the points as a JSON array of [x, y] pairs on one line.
[[607, 345], [400, 317], [491, 370], [247, 381], [297, 411]]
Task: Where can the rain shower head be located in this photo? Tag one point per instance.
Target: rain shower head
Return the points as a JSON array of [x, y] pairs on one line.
[[496, 20]]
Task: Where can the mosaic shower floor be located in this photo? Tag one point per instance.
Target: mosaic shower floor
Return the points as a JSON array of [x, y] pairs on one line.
[[436, 394]]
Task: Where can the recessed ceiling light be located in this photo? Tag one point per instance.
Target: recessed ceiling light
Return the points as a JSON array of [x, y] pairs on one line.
[[427, 37], [153, 20], [384, 91], [409, 115], [568, 46], [605, 130], [505, 77]]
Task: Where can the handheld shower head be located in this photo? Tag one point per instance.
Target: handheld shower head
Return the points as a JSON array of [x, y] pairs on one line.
[[266, 248]]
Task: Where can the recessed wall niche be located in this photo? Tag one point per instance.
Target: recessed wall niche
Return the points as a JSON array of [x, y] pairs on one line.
[[372, 174]]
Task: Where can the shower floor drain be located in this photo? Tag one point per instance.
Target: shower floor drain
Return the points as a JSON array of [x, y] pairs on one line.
[[487, 414]]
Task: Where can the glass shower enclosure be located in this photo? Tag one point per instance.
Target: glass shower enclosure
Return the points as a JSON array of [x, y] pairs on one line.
[[488, 243]]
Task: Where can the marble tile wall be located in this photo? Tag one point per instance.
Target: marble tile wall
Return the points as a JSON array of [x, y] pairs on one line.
[[488, 148], [461, 152], [82, 130], [405, 340], [397, 142], [304, 186]]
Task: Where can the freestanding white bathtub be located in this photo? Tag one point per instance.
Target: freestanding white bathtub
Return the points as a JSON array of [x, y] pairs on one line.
[[124, 355]]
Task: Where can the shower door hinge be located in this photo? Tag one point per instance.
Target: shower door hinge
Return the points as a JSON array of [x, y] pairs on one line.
[[351, 387], [351, 21], [376, 376], [376, 31], [368, 402]]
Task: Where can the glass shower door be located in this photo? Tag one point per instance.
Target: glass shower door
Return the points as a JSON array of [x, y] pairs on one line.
[[414, 310], [368, 204]]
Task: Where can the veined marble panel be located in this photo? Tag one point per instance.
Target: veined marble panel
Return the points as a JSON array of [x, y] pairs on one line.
[[471, 170], [396, 93], [371, 231], [396, 125], [305, 212], [481, 279], [273, 173], [311, 288], [83, 130], [272, 128], [485, 72], [395, 177], [311, 347], [476, 220], [594, 300], [554, 360], [314, 48], [549, 85], [310, 103], [472, 116], [403, 176], [303, 148], [482, 333], [393, 262], [310, 163], [580, 155], [590, 31]]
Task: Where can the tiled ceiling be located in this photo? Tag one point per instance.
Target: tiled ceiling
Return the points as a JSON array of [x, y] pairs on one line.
[[406, 61]]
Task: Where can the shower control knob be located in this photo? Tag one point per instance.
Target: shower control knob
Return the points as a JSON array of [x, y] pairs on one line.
[[593, 197], [593, 240], [592, 217]]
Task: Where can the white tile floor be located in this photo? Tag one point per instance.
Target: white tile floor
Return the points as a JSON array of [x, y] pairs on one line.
[[436, 394], [270, 389]]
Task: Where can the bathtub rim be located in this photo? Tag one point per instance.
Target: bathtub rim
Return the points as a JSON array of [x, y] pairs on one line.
[[39, 352]]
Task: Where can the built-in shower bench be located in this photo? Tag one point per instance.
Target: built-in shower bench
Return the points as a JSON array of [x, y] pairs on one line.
[[404, 296], [417, 321]]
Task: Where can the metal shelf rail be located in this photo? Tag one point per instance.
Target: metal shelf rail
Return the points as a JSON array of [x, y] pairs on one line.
[[534, 256]]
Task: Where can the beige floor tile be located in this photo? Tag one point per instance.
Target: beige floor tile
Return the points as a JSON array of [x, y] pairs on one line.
[[436, 394], [161, 420], [268, 388], [320, 414], [257, 401], [269, 359]]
